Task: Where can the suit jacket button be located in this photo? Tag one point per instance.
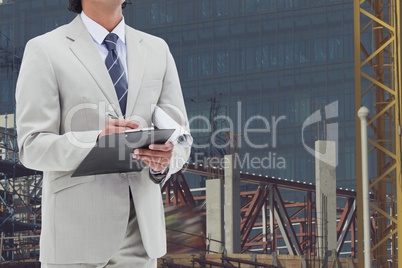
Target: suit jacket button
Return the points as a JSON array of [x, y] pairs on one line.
[[123, 176]]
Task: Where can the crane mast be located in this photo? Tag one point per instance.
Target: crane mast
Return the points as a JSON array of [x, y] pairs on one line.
[[377, 34]]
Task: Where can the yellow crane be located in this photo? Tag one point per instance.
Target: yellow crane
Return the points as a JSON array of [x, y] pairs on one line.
[[377, 35]]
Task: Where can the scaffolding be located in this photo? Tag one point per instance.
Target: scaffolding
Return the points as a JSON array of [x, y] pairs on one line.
[[20, 204], [20, 212], [270, 224], [20, 188]]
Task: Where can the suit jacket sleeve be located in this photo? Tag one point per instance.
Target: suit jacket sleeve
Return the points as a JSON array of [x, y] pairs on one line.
[[42, 146], [171, 100]]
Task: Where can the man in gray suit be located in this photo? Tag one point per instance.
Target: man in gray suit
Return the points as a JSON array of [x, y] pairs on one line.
[[70, 79]]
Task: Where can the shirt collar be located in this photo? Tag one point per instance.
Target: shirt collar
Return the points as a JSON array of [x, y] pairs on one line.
[[99, 33]]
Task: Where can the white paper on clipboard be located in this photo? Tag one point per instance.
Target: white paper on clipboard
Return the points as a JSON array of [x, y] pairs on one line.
[[162, 120]]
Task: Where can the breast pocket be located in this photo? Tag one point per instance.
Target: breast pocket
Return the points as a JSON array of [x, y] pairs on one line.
[[152, 88], [156, 83], [149, 93]]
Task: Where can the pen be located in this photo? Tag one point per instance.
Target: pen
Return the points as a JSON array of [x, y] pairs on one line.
[[112, 116]]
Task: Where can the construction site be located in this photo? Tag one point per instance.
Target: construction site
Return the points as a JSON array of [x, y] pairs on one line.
[[244, 218]]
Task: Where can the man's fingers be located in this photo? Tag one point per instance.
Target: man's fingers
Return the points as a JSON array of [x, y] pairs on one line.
[[155, 161], [152, 153], [157, 157], [153, 156], [161, 150], [117, 130], [154, 165], [123, 123], [168, 146], [114, 126], [116, 122], [132, 125]]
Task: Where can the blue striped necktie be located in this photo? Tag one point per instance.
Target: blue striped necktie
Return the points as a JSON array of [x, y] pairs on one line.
[[116, 71]]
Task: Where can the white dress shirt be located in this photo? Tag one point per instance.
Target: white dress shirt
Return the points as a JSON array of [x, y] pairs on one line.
[[99, 34]]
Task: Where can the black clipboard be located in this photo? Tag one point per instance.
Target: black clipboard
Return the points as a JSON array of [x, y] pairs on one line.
[[113, 153]]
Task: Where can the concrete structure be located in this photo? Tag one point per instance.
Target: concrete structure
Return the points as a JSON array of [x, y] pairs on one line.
[[326, 197], [223, 210], [214, 219], [232, 206], [7, 120]]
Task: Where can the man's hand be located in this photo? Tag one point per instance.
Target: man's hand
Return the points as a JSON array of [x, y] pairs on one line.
[[157, 157], [115, 126]]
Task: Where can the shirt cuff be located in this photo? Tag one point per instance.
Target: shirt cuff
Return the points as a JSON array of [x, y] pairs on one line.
[[158, 172], [158, 176]]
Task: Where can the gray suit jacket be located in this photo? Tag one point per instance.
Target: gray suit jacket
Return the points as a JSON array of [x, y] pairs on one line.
[[63, 92]]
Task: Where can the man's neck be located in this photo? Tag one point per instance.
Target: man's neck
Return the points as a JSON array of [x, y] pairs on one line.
[[106, 17]]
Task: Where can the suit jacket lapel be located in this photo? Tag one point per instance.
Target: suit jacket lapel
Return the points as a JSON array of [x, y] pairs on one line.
[[85, 50], [136, 58]]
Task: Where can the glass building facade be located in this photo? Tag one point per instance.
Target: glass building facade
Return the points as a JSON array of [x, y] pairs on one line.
[[253, 72]]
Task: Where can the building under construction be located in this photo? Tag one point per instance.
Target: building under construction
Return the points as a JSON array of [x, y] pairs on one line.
[[289, 196]]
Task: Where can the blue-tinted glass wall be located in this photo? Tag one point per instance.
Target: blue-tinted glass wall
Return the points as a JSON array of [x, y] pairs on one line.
[[20, 21], [242, 58], [278, 58]]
